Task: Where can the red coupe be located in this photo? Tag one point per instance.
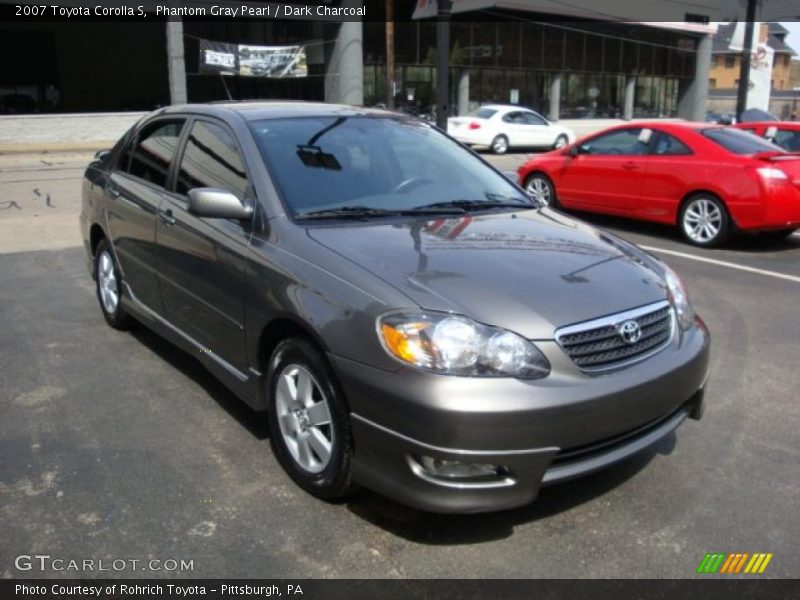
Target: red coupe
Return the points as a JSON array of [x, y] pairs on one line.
[[785, 134], [706, 179]]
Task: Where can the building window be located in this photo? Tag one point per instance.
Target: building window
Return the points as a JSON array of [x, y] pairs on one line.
[[712, 83], [714, 62], [730, 62]]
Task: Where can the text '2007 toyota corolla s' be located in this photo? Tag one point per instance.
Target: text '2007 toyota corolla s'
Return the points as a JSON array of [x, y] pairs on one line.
[[408, 319]]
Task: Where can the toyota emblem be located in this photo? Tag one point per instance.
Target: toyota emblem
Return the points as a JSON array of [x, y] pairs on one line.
[[630, 332]]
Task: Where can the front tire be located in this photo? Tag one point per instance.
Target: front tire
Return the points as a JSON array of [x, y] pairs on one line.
[[308, 420], [499, 145], [108, 284], [704, 221], [539, 187]]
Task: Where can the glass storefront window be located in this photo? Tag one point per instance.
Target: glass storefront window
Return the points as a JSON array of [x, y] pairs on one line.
[[504, 56]]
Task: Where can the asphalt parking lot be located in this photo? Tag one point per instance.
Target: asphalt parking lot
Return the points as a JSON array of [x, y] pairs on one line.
[[118, 445]]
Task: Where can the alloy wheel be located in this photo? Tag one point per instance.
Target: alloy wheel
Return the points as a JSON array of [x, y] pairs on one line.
[[539, 189], [500, 145], [304, 418], [107, 282], [702, 220]]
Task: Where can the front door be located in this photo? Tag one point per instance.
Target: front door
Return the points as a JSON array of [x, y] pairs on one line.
[[607, 175], [202, 261]]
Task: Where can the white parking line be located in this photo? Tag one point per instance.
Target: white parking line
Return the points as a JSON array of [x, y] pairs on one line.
[[723, 263]]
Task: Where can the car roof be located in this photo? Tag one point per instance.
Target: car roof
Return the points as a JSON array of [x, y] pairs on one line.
[[255, 110], [506, 107]]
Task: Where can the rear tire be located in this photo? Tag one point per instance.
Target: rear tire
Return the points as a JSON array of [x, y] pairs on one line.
[[560, 142], [704, 221], [108, 284], [308, 420], [499, 145]]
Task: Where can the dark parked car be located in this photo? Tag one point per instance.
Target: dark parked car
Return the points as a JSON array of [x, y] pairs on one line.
[[408, 319]]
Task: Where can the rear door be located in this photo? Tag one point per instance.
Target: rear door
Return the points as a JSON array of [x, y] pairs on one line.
[[607, 175], [202, 261], [136, 189], [539, 132], [514, 126]]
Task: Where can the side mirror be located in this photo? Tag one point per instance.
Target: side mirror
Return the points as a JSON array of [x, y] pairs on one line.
[[101, 154], [217, 204], [578, 149]]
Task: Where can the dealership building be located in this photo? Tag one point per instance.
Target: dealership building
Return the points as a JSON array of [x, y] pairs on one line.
[[566, 65]]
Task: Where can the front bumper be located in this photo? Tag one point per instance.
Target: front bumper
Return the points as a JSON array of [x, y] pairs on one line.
[[538, 433]]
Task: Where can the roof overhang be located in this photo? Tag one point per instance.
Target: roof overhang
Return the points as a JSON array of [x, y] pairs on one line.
[[667, 15]]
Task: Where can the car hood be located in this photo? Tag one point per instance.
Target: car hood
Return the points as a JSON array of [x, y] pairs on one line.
[[530, 272]]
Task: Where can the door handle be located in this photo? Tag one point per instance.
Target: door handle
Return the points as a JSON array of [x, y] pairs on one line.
[[166, 217], [630, 166], [113, 191]]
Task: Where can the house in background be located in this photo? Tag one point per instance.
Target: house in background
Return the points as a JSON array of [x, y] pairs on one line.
[[726, 63]]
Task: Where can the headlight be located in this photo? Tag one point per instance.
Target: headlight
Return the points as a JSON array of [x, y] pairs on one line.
[[679, 298], [455, 345]]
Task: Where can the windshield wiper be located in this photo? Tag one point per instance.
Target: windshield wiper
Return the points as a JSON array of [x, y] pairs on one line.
[[366, 212], [467, 205]]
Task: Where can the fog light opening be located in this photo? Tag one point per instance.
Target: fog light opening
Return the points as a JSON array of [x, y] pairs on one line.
[[456, 470]]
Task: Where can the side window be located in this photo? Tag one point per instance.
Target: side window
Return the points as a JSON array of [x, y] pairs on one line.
[[622, 141], [513, 117], [668, 145], [153, 152], [788, 139], [211, 160], [533, 119]]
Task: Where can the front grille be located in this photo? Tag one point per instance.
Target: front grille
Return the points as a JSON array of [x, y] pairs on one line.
[[599, 344]]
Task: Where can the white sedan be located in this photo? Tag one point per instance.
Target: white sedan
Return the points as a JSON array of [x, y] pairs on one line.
[[500, 127]]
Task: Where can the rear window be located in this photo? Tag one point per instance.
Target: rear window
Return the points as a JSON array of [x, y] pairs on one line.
[[483, 113], [739, 142]]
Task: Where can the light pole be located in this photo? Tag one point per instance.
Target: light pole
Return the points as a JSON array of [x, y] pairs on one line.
[[744, 67], [443, 63], [389, 54]]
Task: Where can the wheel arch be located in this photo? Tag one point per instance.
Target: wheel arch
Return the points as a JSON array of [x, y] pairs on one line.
[[699, 192], [280, 328], [96, 235]]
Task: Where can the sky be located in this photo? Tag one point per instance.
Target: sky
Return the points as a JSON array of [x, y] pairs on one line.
[[793, 39]]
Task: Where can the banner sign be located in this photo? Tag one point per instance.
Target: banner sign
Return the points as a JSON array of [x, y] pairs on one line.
[[273, 61], [279, 62], [218, 58]]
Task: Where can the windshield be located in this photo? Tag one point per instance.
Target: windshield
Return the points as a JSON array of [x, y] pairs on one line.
[[739, 142], [381, 163]]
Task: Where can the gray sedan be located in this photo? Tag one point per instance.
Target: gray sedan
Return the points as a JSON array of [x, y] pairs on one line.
[[405, 316]]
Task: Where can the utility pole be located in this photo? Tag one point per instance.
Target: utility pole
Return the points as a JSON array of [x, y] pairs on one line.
[[747, 53], [443, 63], [389, 54]]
